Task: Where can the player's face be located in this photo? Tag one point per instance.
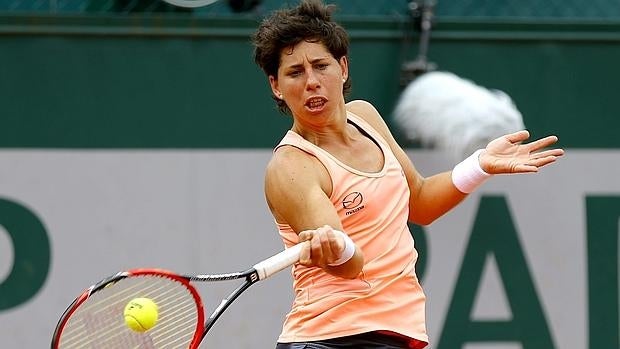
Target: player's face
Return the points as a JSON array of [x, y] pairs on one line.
[[310, 79]]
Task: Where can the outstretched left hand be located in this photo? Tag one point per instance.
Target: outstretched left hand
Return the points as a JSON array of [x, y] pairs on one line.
[[507, 154]]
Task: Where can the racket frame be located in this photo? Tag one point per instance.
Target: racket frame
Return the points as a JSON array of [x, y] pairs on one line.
[[198, 332]]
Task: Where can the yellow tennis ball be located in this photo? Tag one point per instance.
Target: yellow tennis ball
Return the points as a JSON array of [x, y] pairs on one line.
[[141, 314]]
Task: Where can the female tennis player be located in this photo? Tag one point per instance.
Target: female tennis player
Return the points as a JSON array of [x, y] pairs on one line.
[[339, 179]]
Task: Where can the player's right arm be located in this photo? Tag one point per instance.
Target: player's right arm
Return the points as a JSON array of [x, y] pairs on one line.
[[297, 189]]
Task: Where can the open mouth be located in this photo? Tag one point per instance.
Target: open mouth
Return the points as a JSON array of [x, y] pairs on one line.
[[316, 103]]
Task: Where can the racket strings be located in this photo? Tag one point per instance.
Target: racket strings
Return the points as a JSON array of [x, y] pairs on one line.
[[99, 321]]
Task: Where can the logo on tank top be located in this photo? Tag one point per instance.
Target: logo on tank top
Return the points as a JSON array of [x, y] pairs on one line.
[[353, 202]]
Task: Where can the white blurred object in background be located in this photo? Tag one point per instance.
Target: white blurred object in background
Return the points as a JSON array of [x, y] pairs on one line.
[[443, 111]]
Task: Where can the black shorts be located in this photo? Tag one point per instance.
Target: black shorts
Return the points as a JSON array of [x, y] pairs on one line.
[[369, 340]]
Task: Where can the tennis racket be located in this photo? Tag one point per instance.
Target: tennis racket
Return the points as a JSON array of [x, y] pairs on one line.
[[95, 319]]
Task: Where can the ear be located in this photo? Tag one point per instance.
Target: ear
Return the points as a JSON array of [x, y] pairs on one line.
[[273, 82], [344, 66]]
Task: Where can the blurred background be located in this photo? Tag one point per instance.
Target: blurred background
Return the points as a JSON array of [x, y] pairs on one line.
[[135, 133]]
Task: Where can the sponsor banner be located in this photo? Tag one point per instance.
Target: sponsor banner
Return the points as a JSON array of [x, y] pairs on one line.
[[528, 261]]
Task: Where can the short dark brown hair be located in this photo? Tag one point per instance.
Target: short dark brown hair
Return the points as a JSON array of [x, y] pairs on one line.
[[310, 21]]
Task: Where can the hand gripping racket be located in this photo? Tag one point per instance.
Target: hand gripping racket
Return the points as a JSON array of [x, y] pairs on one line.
[[95, 319]]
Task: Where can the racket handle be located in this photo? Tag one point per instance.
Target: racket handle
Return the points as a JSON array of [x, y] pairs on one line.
[[278, 262]]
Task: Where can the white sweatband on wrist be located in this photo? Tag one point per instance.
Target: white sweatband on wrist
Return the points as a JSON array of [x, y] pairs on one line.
[[468, 175], [347, 253]]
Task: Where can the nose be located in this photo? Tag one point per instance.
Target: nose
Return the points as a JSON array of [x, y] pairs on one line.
[[312, 83]]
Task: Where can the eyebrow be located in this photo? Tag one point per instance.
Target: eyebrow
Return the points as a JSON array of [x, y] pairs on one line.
[[313, 61]]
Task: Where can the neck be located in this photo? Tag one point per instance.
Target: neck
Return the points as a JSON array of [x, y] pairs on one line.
[[333, 129]]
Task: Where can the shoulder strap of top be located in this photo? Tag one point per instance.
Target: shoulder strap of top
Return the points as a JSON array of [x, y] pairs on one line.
[[294, 139], [366, 127]]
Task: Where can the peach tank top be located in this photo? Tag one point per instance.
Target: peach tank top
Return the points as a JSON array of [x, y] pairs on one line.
[[386, 296]]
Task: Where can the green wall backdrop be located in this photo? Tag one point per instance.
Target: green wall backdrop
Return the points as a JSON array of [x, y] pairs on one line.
[[102, 80]]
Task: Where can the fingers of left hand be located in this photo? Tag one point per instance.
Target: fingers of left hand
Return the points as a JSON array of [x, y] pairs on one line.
[[543, 158], [538, 160], [547, 153], [517, 137], [542, 143]]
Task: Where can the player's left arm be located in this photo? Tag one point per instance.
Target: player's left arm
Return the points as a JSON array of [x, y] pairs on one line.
[[431, 197]]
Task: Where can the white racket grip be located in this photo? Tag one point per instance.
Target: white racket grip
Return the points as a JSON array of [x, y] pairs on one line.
[[278, 262]]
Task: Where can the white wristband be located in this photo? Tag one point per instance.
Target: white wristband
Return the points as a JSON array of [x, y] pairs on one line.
[[468, 175], [347, 253]]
